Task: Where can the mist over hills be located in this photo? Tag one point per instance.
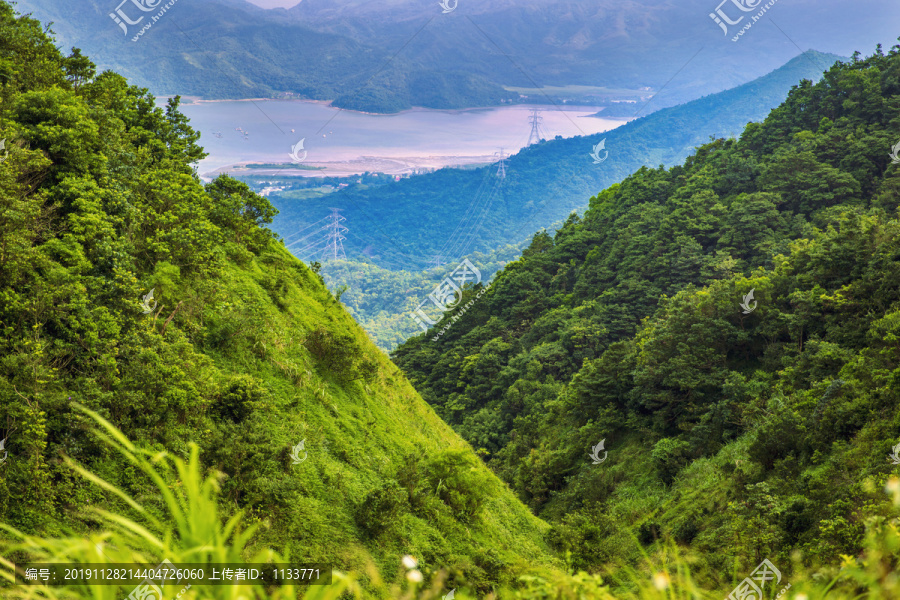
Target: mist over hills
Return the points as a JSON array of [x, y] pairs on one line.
[[400, 228], [385, 57], [407, 224]]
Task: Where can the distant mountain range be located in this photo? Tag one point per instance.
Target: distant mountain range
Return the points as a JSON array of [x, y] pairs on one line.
[[442, 216], [389, 56]]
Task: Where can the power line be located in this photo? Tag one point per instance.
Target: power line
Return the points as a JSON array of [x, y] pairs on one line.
[[473, 207], [501, 169], [335, 239], [309, 235], [304, 229], [536, 134]]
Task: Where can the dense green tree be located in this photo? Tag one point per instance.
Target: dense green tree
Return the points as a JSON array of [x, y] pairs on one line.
[[726, 326]]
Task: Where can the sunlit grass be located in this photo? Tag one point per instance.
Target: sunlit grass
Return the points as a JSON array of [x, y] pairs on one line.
[[188, 528]]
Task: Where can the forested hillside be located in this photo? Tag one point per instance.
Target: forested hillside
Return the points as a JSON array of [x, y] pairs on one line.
[[133, 295], [174, 385], [738, 432]]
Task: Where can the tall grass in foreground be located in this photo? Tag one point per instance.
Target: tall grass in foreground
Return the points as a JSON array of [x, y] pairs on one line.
[[190, 532], [185, 527]]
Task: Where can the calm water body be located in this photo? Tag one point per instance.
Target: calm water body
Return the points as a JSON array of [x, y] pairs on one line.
[[351, 135]]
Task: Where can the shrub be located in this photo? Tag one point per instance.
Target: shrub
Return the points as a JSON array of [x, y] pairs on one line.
[[244, 393], [670, 455], [459, 481], [381, 507], [340, 355]]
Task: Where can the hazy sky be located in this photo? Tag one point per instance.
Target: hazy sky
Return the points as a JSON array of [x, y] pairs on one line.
[[274, 3]]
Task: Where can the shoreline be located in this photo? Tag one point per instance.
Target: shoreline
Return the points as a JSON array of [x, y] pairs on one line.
[[162, 98], [387, 165]]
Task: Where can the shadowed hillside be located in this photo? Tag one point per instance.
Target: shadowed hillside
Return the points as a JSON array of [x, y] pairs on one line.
[[719, 336]]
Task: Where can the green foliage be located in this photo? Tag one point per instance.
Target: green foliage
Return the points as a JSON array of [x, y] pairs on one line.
[[624, 325], [243, 395], [238, 209], [205, 388], [739, 432], [669, 457], [455, 478], [340, 354], [381, 508]]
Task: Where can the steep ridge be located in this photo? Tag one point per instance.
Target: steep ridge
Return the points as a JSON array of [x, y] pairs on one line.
[[719, 337], [167, 307], [544, 182], [239, 352]]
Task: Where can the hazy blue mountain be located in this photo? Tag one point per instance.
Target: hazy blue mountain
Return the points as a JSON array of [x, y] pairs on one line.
[[388, 56], [449, 213]]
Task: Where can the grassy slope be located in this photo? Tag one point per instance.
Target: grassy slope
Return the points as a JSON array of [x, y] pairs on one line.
[[245, 355], [369, 430]]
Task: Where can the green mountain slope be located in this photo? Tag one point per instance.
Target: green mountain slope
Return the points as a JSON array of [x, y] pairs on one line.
[[382, 300], [406, 224], [236, 412], [726, 327], [240, 349]]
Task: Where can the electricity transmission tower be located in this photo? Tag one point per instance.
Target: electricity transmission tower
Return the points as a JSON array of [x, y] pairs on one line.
[[329, 245], [501, 168], [536, 134], [335, 245]]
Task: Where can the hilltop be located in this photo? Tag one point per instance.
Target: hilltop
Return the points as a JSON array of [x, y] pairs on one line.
[[386, 57], [725, 327]]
